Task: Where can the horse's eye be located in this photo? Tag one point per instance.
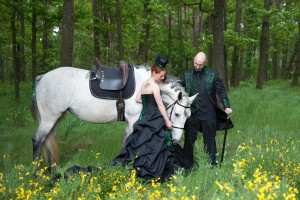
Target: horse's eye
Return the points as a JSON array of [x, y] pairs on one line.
[[176, 115]]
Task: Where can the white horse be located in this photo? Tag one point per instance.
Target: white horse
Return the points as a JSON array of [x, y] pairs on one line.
[[67, 89]]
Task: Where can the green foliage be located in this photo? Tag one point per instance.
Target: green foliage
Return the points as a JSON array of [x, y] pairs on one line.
[[283, 31]]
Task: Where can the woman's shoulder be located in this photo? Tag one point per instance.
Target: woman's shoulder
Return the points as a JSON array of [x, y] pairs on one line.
[[149, 87]]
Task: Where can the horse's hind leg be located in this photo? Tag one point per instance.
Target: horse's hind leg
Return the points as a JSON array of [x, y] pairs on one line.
[[37, 141], [43, 134]]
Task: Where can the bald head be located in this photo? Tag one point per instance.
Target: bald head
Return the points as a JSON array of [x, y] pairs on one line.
[[199, 61]]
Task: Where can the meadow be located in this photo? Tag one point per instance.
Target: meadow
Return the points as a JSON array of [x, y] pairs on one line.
[[261, 160]]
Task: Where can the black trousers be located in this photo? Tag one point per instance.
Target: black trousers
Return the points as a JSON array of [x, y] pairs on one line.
[[209, 129]]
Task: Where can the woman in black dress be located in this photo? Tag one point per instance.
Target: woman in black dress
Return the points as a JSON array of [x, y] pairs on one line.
[[146, 147]]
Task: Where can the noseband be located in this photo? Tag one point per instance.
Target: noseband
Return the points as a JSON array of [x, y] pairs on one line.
[[172, 108]]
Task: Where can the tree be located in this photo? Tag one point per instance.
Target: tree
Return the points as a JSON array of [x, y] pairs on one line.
[[20, 14], [296, 71], [264, 39], [218, 37], [197, 27], [1, 65], [96, 19], [15, 51], [119, 30], [45, 41], [234, 79], [66, 58], [177, 29], [33, 40], [143, 46]]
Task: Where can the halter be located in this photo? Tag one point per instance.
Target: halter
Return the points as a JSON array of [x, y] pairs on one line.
[[173, 105]]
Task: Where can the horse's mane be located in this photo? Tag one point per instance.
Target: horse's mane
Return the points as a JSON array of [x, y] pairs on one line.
[[147, 67], [174, 81]]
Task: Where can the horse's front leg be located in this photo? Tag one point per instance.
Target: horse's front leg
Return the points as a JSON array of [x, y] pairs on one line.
[[129, 126], [128, 131]]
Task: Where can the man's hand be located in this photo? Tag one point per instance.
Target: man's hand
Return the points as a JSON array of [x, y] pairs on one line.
[[228, 111]]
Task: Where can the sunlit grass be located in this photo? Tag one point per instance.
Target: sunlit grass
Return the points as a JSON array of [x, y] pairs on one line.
[[258, 171], [261, 159]]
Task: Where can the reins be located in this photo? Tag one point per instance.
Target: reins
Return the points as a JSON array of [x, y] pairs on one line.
[[173, 105]]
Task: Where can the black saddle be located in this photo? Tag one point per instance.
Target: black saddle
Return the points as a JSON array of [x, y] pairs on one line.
[[107, 85], [117, 83], [112, 78]]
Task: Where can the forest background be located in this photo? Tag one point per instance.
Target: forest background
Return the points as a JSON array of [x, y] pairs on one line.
[[243, 39]]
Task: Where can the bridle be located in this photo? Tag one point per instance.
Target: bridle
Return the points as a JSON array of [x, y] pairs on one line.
[[172, 108]]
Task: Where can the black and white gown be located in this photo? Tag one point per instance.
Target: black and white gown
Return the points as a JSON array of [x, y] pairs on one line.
[[146, 147]]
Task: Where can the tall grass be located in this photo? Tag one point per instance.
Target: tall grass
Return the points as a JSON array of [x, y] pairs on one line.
[[261, 158]]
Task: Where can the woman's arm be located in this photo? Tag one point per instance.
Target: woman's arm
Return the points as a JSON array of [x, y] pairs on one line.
[[161, 107], [138, 97]]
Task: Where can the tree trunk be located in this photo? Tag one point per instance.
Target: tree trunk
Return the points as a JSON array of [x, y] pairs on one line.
[[67, 34], [263, 59], [246, 72], [275, 60], [226, 81], [218, 38], [108, 35], [144, 45], [197, 31], [235, 74], [45, 38], [169, 30], [96, 17], [290, 67], [296, 70], [186, 59], [180, 50], [15, 52], [276, 68], [1, 65], [210, 45], [22, 41], [33, 41], [119, 30], [112, 38], [284, 60]]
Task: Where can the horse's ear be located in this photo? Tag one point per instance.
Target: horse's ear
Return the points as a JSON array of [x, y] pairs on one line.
[[180, 96], [192, 98]]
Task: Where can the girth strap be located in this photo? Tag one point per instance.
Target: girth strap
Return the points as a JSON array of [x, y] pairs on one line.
[[120, 107]]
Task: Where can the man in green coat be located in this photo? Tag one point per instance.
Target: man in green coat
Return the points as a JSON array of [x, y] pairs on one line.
[[206, 116]]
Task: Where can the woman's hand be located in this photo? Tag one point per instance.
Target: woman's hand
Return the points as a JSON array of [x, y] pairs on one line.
[[169, 124]]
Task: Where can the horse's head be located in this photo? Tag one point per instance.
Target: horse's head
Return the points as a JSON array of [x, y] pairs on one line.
[[178, 109]]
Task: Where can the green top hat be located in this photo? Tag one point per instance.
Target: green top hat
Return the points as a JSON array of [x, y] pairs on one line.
[[160, 61]]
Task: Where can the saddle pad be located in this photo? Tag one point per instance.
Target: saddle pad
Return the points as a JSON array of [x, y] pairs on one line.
[[127, 91]]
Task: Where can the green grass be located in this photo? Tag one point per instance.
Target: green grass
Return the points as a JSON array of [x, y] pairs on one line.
[[261, 159]]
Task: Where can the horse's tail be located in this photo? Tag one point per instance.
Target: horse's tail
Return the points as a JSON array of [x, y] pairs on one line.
[[51, 148], [50, 142], [34, 108]]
